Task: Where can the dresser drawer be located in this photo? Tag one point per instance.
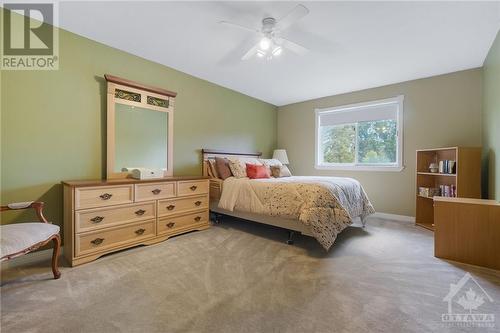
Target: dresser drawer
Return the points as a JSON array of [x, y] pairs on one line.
[[90, 197], [185, 188], [175, 206], [97, 241], [154, 191], [92, 219], [172, 224]]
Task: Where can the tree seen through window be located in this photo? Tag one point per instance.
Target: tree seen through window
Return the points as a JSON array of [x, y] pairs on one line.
[[376, 142]]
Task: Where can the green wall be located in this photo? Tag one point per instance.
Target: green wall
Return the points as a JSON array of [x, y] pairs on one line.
[[53, 123], [491, 119]]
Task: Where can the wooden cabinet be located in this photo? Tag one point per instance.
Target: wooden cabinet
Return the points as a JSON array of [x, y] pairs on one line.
[[467, 231], [106, 216], [465, 178]]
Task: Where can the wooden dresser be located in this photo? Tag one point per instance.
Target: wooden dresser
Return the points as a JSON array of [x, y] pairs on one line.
[[104, 216]]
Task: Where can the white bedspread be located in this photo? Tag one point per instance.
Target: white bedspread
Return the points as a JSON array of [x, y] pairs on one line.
[[326, 204]]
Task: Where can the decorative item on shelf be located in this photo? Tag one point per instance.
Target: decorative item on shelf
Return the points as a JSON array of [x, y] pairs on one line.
[[280, 154], [433, 167], [428, 192]]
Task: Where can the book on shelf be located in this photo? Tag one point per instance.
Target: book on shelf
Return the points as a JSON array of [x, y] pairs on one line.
[[449, 191], [447, 166]]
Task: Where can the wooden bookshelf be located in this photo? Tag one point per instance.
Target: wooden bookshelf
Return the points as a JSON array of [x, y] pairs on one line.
[[467, 178]]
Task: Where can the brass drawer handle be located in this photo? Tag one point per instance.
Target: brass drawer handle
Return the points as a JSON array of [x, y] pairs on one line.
[[170, 207], [197, 218], [106, 196], [140, 212], [140, 231], [197, 203], [193, 188], [156, 191], [170, 225], [97, 219], [97, 241]]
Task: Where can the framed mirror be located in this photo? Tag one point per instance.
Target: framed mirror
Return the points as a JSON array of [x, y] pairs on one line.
[[139, 128]]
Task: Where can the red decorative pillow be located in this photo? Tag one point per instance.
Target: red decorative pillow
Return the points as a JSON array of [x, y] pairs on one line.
[[255, 171]]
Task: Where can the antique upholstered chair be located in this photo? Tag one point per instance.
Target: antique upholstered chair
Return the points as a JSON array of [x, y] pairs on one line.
[[20, 238]]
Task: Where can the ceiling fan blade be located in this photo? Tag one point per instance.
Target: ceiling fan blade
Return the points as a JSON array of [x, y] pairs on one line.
[[239, 26], [294, 47], [293, 16], [250, 52]]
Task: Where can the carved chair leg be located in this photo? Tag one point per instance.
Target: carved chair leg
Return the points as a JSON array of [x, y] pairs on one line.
[[55, 256]]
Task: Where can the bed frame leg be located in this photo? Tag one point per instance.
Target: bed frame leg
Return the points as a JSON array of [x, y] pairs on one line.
[[363, 221], [216, 218], [291, 234]]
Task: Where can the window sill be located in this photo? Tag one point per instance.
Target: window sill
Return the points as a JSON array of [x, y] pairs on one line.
[[360, 168]]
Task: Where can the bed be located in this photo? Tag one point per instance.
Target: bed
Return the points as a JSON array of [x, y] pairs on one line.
[[320, 207]]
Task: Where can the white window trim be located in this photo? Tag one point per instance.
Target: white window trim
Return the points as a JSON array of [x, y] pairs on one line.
[[396, 167]]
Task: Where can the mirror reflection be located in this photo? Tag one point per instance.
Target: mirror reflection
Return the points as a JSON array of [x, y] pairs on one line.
[[140, 138]]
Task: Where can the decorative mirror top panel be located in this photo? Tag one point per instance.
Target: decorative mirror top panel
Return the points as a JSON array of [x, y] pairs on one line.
[[128, 95], [158, 101]]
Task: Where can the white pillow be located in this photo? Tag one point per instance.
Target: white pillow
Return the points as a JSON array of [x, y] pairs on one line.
[[249, 160], [270, 162]]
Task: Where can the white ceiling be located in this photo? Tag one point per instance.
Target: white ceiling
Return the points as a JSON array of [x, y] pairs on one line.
[[354, 45]]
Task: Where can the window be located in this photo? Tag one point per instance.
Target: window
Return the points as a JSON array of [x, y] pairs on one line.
[[365, 136]]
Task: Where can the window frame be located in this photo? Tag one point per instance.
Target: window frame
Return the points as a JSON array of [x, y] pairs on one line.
[[397, 166]]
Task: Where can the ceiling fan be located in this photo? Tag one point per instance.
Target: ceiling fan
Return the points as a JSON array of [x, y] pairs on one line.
[[271, 43]]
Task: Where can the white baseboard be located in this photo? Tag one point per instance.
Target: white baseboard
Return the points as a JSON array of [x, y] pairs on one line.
[[395, 217], [31, 258]]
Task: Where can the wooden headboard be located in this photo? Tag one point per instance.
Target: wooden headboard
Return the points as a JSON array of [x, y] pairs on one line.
[[209, 154], [216, 184]]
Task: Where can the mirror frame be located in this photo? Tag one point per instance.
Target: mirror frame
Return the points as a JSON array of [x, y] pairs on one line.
[[114, 83]]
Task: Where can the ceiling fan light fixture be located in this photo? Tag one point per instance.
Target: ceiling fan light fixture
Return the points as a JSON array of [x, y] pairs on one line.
[[269, 42], [265, 44], [277, 51]]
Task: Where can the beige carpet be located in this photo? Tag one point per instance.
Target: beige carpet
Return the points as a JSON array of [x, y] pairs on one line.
[[242, 277]]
